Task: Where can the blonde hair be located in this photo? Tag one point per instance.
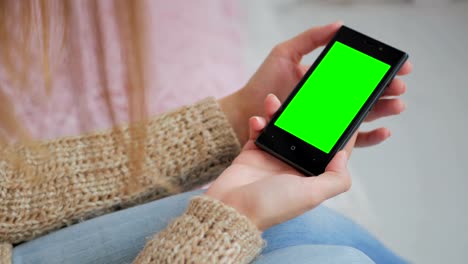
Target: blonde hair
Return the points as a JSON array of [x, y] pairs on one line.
[[33, 18]]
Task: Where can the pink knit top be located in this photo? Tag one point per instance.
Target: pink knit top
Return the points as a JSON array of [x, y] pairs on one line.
[[194, 52]]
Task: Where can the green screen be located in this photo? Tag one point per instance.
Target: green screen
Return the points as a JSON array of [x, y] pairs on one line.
[[332, 96]]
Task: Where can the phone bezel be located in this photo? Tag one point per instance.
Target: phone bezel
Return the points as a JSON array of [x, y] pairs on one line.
[[303, 156]]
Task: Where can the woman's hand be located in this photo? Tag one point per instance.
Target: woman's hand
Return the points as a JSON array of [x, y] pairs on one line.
[[282, 70], [267, 190]]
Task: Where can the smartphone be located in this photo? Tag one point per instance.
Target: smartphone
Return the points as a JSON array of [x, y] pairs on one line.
[[330, 102]]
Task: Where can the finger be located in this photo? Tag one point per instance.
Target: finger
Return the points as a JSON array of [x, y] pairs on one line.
[[307, 41], [385, 107], [256, 124], [338, 164], [333, 181], [272, 104], [301, 71], [336, 177], [406, 68], [397, 87], [350, 145], [371, 138]]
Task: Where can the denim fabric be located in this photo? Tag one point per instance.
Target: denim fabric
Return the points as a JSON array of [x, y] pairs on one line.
[[326, 227], [119, 237], [323, 254]]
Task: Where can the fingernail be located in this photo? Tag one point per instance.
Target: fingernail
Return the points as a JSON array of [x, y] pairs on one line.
[[258, 120]]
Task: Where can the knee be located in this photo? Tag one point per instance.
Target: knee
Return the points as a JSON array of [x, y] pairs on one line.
[[350, 255], [315, 254]]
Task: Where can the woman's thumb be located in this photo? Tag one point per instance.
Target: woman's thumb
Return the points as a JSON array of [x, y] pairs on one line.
[[339, 163]]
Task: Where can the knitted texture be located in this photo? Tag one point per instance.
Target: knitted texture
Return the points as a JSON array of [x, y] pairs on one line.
[[5, 253], [82, 177], [208, 232]]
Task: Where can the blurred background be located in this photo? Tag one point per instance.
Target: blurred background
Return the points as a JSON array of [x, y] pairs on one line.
[[410, 191]]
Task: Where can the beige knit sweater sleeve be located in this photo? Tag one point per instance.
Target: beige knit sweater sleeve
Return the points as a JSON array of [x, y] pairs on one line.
[[82, 177], [208, 232]]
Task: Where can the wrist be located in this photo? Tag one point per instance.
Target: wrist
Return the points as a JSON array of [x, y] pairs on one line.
[[237, 114], [233, 200]]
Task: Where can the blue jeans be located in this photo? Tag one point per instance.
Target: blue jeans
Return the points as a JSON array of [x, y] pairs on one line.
[[319, 236]]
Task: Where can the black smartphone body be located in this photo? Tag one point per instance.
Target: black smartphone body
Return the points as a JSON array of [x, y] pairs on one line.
[[330, 102]]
